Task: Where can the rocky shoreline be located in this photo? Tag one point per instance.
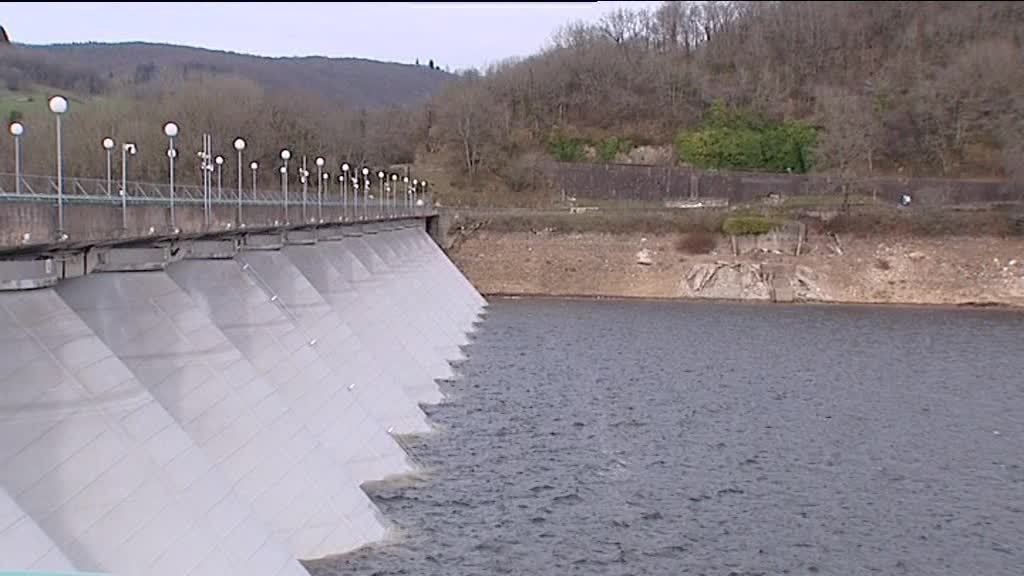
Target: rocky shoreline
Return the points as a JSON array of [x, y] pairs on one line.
[[955, 271]]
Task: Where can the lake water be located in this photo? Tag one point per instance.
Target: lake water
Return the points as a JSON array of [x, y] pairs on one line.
[[665, 438]]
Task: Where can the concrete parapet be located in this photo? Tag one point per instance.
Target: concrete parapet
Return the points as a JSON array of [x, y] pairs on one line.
[[262, 242], [27, 274], [300, 237], [330, 233], [134, 259], [212, 249]]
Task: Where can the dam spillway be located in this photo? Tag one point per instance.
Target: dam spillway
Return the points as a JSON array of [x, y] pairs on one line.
[[213, 407]]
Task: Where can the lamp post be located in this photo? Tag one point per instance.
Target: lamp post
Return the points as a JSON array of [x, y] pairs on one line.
[[219, 161], [59, 105], [344, 189], [394, 194], [205, 168], [415, 206], [171, 130], [342, 184], [17, 129], [285, 155], [408, 195], [423, 196], [366, 191], [239, 146], [254, 166], [325, 179], [355, 197], [304, 179], [320, 188], [284, 174], [127, 149], [108, 145], [380, 200]]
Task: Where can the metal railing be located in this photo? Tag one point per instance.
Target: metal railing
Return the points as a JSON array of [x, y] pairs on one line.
[[358, 205]]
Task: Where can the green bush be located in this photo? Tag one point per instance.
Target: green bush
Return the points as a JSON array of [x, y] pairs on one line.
[[566, 148], [747, 225], [738, 140], [611, 147], [789, 146]]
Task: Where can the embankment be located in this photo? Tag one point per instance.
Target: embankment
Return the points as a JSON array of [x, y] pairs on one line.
[[980, 270]]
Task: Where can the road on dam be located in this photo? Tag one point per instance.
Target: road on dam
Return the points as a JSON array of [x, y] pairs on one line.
[[218, 413]]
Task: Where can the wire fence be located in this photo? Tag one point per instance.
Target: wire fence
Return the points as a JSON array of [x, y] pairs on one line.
[[660, 183]]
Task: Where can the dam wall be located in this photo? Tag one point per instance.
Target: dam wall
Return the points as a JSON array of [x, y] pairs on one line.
[[213, 406]]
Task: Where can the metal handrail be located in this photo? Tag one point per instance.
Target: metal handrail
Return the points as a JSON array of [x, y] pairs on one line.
[[94, 191]]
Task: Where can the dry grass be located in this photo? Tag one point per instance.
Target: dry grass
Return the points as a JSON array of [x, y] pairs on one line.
[[601, 221], [697, 226], [927, 223]]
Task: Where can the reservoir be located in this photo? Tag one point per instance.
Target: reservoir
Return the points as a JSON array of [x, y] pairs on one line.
[[652, 437]]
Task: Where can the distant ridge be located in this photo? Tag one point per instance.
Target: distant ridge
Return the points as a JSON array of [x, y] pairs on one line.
[[353, 81]]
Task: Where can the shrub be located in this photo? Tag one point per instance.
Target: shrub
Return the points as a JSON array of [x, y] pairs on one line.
[[738, 140], [747, 225], [566, 148], [611, 147], [696, 242]]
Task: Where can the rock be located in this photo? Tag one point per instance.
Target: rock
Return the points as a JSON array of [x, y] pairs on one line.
[[805, 285], [643, 257], [916, 256], [699, 276], [726, 280], [806, 274]]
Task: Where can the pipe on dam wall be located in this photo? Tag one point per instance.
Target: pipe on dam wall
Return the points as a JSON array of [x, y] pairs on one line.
[[216, 413]]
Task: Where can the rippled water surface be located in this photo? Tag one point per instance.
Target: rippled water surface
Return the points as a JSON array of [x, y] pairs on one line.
[[606, 437]]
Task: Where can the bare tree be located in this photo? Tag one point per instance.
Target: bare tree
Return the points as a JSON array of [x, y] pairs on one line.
[[466, 120], [848, 128]]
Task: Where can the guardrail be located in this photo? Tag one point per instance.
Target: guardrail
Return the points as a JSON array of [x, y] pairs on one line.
[[354, 204]]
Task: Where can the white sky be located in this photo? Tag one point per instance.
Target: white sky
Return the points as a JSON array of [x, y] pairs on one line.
[[455, 34]]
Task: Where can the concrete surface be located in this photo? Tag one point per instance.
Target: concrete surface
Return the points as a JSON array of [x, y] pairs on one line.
[[217, 412]]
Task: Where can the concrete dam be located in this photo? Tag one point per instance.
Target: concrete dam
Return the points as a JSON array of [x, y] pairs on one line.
[[212, 405]]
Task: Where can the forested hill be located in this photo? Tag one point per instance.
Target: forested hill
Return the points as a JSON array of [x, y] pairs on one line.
[[918, 88], [361, 111], [96, 68], [910, 88]]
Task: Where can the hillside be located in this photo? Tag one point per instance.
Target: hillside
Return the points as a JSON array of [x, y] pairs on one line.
[[851, 88], [354, 82], [909, 89], [344, 109]]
